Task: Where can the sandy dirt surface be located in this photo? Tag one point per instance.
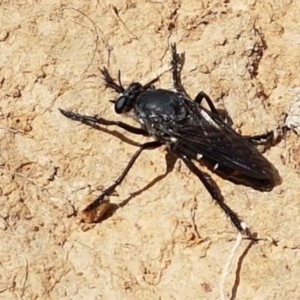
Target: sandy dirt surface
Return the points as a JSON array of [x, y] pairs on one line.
[[169, 241]]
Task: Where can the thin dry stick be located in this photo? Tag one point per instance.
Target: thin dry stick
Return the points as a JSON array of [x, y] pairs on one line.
[[228, 263]]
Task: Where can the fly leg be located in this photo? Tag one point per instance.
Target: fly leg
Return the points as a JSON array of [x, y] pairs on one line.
[[215, 193], [118, 87], [267, 139], [203, 96], [108, 191], [94, 121], [110, 82], [177, 62], [176, 68], [261, 139]]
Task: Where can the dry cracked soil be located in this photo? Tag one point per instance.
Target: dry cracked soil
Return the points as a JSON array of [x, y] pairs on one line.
[[169, 241]]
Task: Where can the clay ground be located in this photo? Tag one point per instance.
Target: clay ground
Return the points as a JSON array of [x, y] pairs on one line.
[[169, 241]]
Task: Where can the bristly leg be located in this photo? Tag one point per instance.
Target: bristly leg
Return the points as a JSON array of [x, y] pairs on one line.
[[203, 96], [269, 138], [177, 64], [92, 121], [215, 193], [110, 82], [108, 191]]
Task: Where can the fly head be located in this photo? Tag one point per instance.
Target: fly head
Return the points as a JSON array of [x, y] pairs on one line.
[[126, 101]]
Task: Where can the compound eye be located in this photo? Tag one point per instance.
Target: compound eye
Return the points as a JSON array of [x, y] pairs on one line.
[[122, 105]]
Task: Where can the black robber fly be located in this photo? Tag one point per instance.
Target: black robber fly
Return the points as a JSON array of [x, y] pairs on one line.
[[191, 131]]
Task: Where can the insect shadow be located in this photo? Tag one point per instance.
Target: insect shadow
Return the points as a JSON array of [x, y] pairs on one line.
[[191, 130], [112, 208]]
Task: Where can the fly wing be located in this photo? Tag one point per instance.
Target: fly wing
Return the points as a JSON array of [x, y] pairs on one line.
[[203, 133]]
